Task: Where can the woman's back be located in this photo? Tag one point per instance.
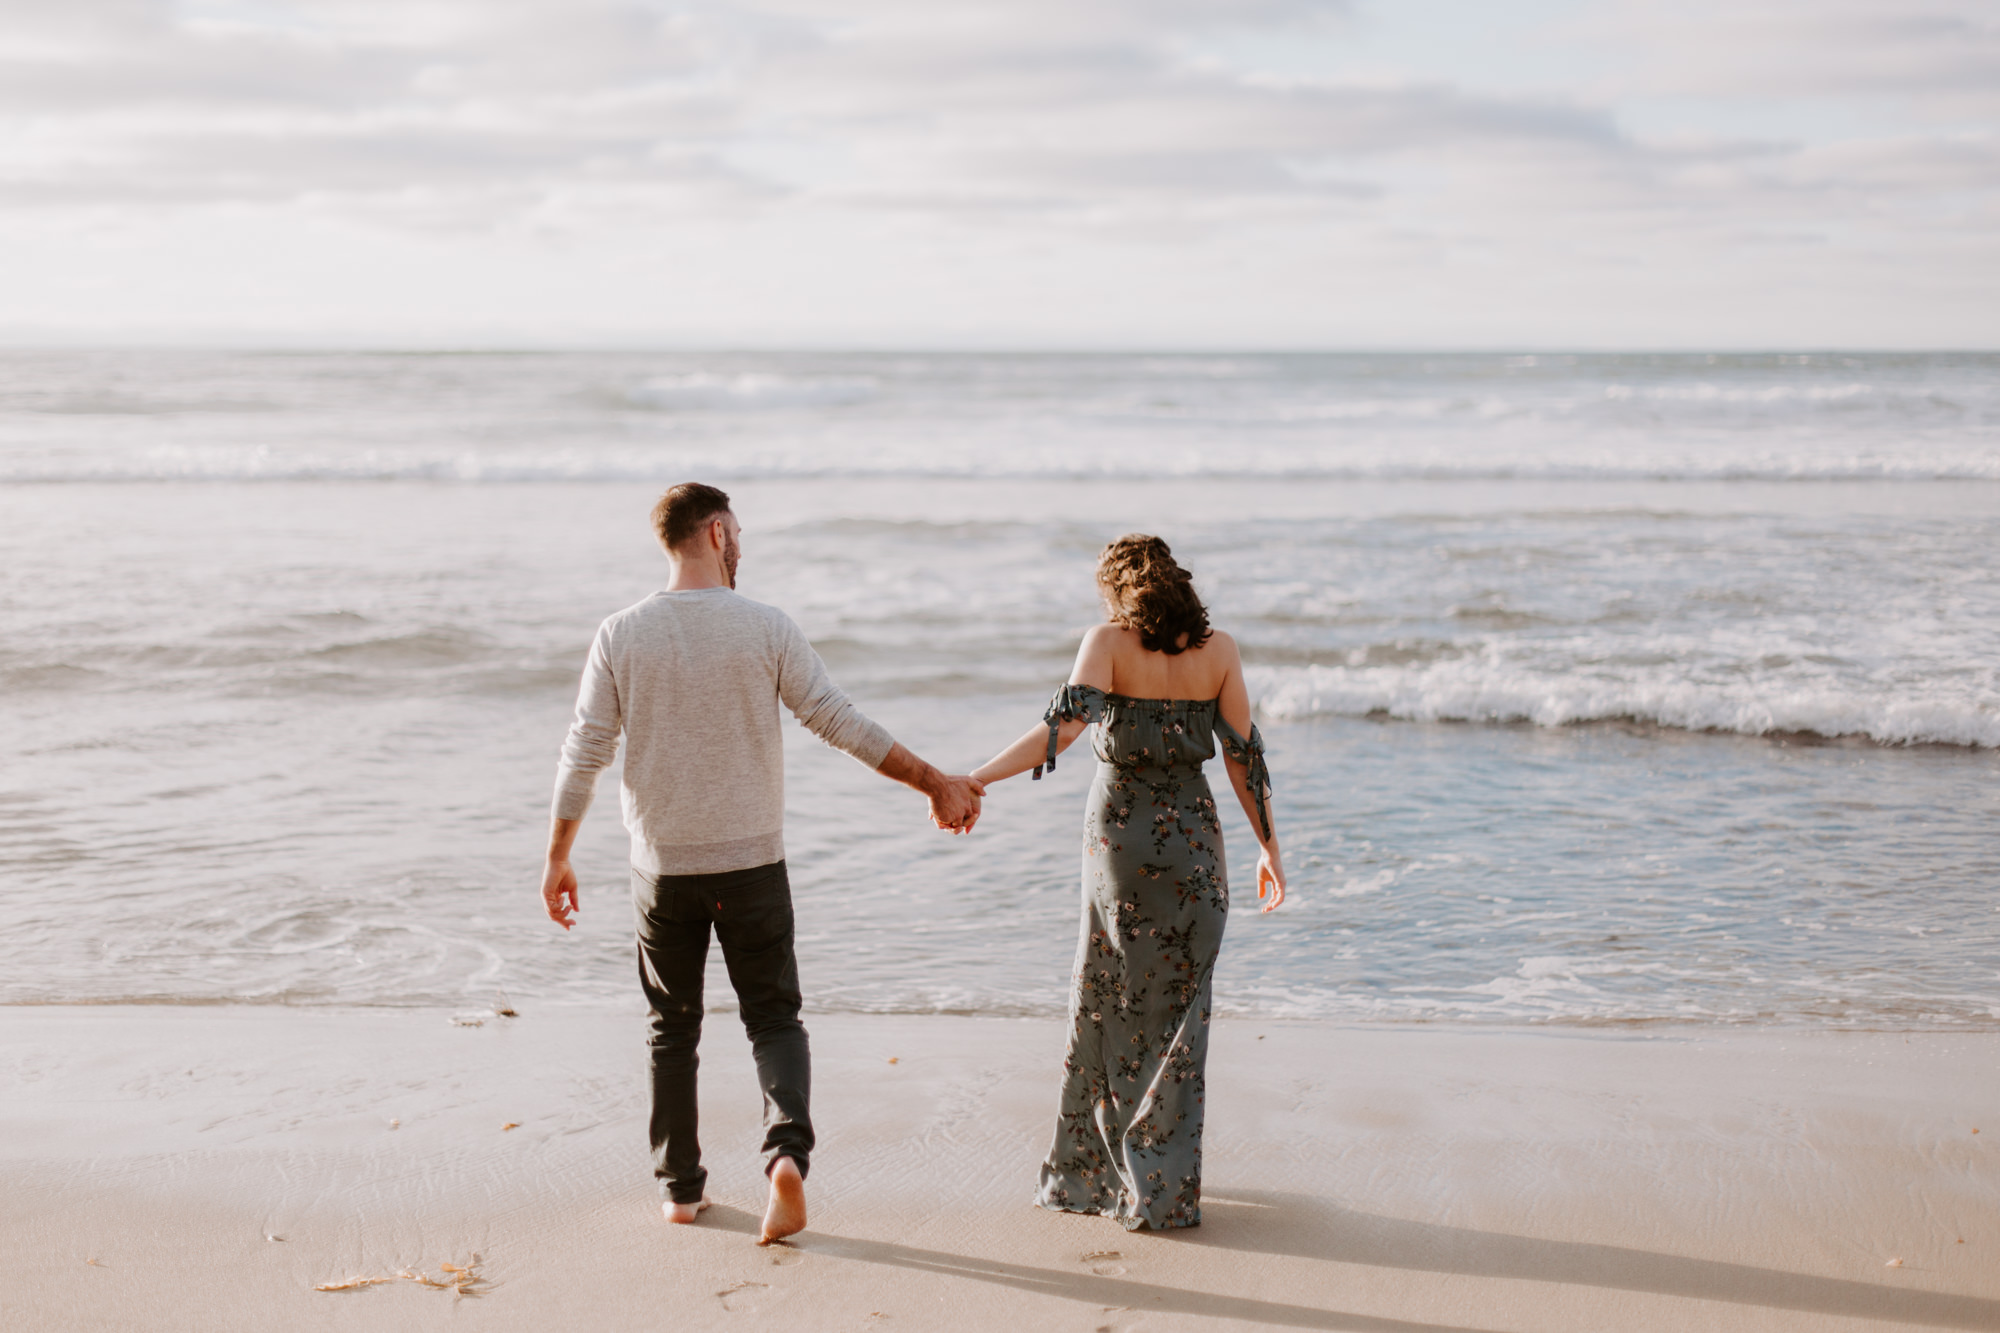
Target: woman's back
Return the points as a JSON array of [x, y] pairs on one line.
[[1138, 673]]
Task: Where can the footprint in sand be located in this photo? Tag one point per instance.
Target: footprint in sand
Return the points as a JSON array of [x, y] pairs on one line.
[[784, 1256], [743, 1297], [1103, 1262]]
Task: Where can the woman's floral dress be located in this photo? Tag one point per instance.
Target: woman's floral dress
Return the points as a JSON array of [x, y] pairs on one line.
[[1155, 895]]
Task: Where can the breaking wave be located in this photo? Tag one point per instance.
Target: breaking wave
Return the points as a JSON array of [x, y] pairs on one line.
[[1476, 689]]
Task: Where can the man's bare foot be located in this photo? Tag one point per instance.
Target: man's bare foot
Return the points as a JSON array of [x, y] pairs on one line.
[[786, 1212], [683, 1213]]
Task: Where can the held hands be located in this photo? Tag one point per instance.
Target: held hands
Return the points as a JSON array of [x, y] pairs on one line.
[[1270, 880], [955, 804]]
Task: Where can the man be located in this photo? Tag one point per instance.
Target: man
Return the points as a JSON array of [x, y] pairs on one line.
[[693, 676]]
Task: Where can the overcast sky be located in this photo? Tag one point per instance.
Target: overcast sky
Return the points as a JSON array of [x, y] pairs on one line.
[[1054, 173]]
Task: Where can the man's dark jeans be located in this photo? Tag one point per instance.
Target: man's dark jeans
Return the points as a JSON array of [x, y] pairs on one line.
[[751, 913]]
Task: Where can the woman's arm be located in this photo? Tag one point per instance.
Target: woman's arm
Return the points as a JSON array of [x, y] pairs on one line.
[[1025, 753], [1234, 704], [1093, 667]]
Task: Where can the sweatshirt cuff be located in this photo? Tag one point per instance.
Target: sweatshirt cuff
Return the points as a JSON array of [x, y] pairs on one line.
[[872, 748], [574, 790]]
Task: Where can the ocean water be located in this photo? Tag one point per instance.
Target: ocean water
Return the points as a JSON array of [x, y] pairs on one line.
[[1599, 690]]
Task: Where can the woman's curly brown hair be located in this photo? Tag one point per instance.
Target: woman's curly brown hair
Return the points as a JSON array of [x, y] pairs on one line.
[[1147, 590]]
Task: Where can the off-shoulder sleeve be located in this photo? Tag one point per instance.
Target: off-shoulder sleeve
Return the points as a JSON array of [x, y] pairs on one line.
[[1250, 754], [1071, 703]]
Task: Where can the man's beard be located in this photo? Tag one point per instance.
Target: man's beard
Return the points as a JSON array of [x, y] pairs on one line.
[[731, 553]]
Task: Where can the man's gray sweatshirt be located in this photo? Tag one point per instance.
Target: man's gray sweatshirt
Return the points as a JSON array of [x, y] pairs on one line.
[[694, 680]]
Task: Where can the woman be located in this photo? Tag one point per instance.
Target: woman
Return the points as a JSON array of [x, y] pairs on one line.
[[1161, 685]]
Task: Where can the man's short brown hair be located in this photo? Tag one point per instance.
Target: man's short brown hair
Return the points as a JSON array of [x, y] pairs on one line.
[[685, 510]]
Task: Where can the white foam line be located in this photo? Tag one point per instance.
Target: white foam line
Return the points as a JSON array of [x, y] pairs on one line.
[[1483, 690]]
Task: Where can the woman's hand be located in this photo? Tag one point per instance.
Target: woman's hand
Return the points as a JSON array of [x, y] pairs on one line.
[[1270, 880], [955, 803]]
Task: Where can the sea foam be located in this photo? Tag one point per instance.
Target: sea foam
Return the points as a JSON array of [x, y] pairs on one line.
[[1479, 689]]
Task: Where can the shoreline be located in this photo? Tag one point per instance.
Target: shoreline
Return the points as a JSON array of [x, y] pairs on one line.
[[1382, 1178], [1653, 1027]]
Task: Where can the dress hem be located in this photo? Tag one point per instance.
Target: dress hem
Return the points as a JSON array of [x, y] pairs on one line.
[[1129, 1223]]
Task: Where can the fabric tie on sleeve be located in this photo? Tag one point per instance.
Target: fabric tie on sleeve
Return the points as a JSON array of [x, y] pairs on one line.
[[1071, 703], [1250, 754]]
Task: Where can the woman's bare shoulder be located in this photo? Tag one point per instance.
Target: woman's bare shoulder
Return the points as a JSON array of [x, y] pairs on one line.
[[1106, 641], [1097, 657], [1119, 641], [1223, 645]]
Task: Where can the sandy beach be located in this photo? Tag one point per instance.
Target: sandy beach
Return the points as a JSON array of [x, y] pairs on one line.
[[208, 1167]]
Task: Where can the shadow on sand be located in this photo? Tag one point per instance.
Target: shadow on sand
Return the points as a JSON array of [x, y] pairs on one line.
[[1285, 1224]]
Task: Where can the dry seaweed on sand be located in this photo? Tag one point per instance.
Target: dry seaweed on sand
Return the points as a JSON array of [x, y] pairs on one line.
[[352, 1283], [459, 1279]]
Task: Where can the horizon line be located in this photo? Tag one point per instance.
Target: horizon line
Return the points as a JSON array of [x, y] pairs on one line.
[[501, 347]]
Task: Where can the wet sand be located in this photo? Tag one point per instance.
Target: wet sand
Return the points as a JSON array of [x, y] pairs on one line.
[[1405, 1180]]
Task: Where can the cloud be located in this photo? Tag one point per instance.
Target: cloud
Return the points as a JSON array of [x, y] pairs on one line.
[[1071, 106], [123, 100], [1943, 54], [1708, 134]]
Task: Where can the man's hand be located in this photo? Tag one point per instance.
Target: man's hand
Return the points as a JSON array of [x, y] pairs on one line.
[[559, 892], [954, 800], [955, 803], [558, 880]]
